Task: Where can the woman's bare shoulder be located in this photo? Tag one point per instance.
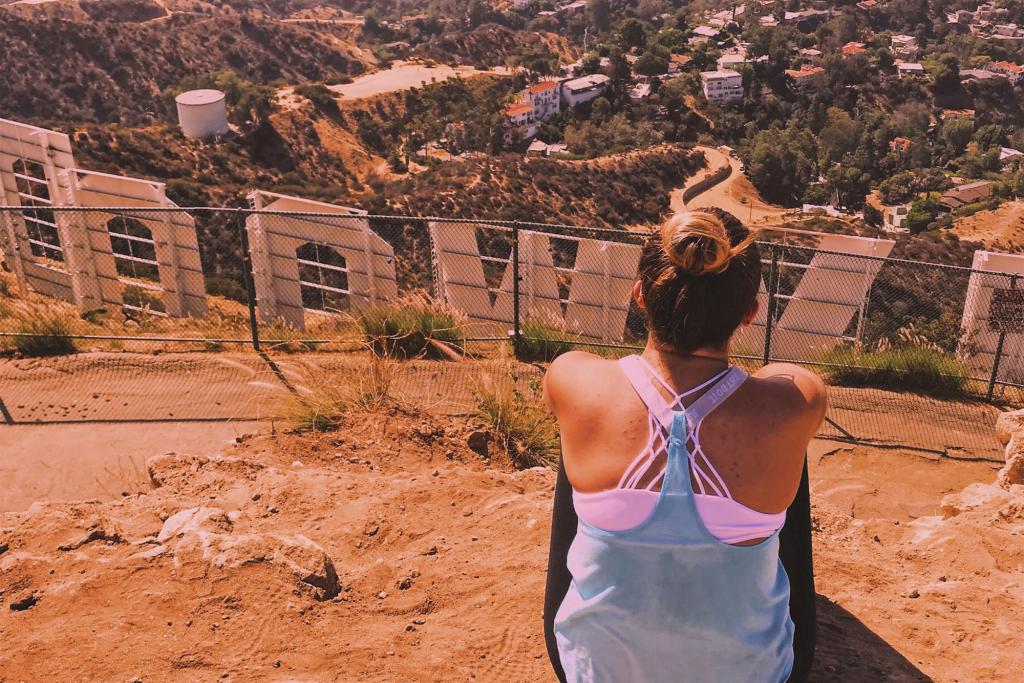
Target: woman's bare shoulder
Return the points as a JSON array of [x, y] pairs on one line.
[[579, 374], [796, 391]]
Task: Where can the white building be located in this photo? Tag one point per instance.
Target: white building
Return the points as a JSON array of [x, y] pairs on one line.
[[732, 61], [893, 218], [545, 98], [805, 78], [910, 70], [904, 47], [811, 56], [581, 90], [722, 85], [519, 115]]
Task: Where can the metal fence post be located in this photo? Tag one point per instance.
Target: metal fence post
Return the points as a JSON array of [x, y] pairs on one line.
[[999, 352], [250, 285], [770, 313], [516, 327]]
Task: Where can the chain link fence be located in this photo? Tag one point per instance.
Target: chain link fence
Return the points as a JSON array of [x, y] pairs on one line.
[[127, 314]]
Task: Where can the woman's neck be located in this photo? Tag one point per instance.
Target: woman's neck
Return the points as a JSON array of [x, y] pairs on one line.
[[670, 358]]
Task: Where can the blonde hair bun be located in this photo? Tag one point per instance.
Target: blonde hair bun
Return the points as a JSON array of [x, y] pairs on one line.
[[697, 243]]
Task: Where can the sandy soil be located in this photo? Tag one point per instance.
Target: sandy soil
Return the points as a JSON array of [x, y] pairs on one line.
[[109, 458], [392, 552], [1000, 230], [405, 75]]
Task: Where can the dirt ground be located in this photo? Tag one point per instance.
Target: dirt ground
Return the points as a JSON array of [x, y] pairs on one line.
[[390, 551], [403, 76], [999, 230]]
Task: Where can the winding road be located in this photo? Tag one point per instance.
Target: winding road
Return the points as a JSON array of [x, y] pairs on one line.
[[735, 194]]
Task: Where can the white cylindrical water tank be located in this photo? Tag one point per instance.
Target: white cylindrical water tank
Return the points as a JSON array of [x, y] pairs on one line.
[[202, 113]]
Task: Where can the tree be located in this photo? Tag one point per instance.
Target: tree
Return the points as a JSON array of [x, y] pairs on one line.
[[947, 77], [991, 135], [632, 34], [600, 15], [839, 137], [538, 62], [651, 64], [955, 135], [781, 162]]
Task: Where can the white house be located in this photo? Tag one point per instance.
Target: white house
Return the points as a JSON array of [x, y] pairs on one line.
[[722, 85], [893, 218], [910, 70], [731, 62], [545, 98], [519, 115], [581, 90], [811, 56], [805, 78], [904, 47]]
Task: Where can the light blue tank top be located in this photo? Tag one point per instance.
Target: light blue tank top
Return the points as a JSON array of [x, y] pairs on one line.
[[667, 601]]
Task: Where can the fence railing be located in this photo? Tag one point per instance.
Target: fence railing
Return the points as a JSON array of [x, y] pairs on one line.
[[280, 280]]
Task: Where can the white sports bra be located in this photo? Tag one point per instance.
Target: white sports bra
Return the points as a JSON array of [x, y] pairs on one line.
[[634, 498]]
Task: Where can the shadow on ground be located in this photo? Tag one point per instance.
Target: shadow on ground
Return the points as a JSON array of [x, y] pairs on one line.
[[849, 651]]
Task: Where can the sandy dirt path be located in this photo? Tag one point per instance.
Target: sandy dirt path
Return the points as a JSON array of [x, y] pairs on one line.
[[98, 461], [735, 194]]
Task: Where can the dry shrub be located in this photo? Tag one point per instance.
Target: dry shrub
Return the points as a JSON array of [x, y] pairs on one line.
[[324, 406]]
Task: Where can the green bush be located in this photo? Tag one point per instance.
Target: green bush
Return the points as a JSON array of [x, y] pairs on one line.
[[909, 368], [45, 335], [544, 343], [414, 328]]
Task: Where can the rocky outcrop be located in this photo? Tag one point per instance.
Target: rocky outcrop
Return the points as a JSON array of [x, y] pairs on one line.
[[1010, 432]]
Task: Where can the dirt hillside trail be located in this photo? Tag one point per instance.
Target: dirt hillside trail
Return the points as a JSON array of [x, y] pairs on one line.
[[735, 194], [392, 551]]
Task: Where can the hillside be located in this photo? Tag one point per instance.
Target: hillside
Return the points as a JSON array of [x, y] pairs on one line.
[[115, 72]]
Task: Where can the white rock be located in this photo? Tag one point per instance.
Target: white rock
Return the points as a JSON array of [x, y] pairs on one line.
[[189, 520]]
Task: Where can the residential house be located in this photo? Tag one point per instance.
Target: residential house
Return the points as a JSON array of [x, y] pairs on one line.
[[851, 49], [893, 218], [811, 56], [1012, 71], [640, 91], [978, 75], [581, 90], [731, 62], [722, 86], [519, 118], [677, 62], [910, 70], [545, 97], [768, 21], [904, 47], [702, 34], [966, 194], [1009, 154], [543, 149], [963, 114], [805, 78], [867, 4], [899, 145]]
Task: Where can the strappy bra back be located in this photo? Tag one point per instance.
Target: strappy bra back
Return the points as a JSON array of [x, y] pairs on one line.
[[634, 497]]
